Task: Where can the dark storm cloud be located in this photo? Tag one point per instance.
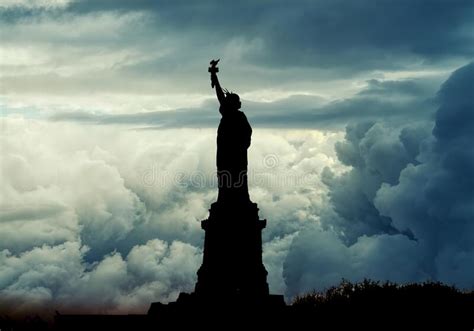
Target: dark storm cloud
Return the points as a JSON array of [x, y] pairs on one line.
[[367, 34], [404, 211], [434, 199], [389, 101], [376, 154], [324, 33], [144, 48], [342, 35], [455, 118]]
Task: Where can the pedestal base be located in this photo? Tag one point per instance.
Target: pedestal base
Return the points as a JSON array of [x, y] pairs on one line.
[[232, 280], [232, 262]]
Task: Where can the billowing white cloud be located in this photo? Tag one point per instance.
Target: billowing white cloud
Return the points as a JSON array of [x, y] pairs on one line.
[[52, 194], [47, 278], [122, 206]]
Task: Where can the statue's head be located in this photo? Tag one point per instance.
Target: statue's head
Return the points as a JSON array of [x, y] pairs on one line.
[[232, 100]]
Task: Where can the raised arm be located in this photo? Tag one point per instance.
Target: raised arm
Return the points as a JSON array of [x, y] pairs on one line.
[[217, 86]]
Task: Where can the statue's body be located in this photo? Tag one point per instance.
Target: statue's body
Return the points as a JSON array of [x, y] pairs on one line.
[[233, 140], [232, 269], [232, 275]]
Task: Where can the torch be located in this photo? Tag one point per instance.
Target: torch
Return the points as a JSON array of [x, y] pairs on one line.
[[213, 70]]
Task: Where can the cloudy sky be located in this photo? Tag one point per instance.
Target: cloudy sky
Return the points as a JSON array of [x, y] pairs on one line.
[[361, 159]]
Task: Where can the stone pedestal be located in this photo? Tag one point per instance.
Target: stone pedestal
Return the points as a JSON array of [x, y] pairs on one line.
[[232, 263], [232, 280]]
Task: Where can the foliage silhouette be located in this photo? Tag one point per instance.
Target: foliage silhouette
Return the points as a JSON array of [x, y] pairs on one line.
[[372, 303]]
